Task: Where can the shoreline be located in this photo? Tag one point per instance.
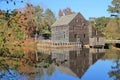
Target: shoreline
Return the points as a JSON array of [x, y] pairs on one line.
[[115, 48]]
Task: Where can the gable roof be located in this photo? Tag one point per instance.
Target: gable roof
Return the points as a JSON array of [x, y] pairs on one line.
[[65, 20]]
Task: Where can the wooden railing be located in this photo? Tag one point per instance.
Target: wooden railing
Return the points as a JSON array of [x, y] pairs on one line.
[[48, 43], [112, 41]]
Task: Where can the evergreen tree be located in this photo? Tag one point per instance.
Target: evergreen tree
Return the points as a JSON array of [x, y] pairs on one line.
[[114, 7]]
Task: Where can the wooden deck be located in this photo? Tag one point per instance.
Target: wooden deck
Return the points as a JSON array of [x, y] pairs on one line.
[[112, 41], [50, 44]]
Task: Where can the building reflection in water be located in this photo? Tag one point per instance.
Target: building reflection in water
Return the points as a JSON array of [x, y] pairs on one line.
[[76, 61]]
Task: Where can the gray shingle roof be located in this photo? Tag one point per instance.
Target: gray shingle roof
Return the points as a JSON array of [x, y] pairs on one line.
[[65, 20]]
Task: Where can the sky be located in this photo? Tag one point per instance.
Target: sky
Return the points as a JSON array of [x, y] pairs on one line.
[[88, 8]]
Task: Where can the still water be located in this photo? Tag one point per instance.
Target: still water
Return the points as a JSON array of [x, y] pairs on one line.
[[61, 64]]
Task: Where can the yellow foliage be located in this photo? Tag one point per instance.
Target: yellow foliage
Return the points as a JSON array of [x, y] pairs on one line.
[[112, 30]]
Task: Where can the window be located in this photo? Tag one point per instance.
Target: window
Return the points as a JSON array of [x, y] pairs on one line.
[[73, 27], [77, 20], [96, 32], [81, 27], [64, 34], [83, 24], [84, 35], [75, 35], [97, 39]]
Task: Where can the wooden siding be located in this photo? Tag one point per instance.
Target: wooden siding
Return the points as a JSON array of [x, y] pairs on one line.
[[75, 31], [97, 41], [96, 38], [97, 50], [60, 34], [78, 30]]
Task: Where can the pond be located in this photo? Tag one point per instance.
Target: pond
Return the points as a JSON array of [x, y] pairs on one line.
[[61, 64]]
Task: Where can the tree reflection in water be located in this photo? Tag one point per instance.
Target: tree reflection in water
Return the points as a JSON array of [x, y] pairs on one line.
[[70, 61], [115, 72], [24, 67]]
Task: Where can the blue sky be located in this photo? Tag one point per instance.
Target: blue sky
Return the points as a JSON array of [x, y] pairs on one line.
[[88, 8]]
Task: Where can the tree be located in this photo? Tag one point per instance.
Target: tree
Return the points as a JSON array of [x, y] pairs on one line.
[[114, 7], [67, 11], [13, 1], [101, 22], [49, 16], [30, 20], [49, 19], [112, 30], [39, 22], [10, 33]]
